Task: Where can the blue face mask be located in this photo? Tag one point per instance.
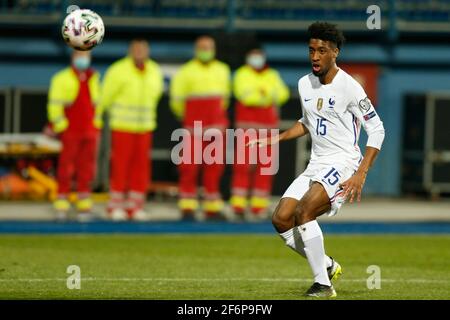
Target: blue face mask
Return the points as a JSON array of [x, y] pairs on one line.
[[81, 63]]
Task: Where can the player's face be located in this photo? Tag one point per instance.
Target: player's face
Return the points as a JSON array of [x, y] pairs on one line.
[[322, 55]]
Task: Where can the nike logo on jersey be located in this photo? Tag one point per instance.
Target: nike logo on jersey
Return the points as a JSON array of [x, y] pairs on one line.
[[306, 100]]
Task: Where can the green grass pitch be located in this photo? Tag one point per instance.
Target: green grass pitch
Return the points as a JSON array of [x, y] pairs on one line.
[[217, 266]]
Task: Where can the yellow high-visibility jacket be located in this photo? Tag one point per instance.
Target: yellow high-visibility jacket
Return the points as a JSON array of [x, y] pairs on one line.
[[64, 88], [259, 89], [198, 80], [131, 96]]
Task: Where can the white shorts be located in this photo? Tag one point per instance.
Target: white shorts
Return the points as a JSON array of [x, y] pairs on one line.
[[329, 175]]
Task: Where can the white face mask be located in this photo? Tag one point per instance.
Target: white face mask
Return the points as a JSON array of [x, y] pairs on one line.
[[82, 63], [256, 61]]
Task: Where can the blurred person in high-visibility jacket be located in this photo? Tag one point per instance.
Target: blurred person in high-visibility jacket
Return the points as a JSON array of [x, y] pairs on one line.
[[259, 91], [71, 106], [199, 92], [131, 90]]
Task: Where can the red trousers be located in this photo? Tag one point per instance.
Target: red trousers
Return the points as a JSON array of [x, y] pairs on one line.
[[130, 162], [190, 171], [247, 176], [77, 160]]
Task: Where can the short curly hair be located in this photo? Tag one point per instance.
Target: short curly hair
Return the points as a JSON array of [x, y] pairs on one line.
[[327, 32]]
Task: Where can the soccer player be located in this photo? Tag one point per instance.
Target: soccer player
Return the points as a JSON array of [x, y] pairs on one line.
[[334, 106]]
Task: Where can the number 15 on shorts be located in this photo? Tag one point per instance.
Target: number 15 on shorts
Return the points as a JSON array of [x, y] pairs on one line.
[[331, 177]]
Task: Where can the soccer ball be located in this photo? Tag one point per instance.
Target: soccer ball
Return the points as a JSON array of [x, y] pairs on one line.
[[83, 29]]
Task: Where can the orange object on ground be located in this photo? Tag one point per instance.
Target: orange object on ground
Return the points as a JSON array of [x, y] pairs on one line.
[[13, 186]]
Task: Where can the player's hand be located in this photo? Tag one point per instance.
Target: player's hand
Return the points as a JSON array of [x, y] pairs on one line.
[[354, 185], [263, 142], [259, 142]]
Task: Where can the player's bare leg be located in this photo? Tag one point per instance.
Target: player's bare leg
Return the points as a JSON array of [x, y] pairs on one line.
[[296, 222], [283, 218], [286, 222], [314, 203]]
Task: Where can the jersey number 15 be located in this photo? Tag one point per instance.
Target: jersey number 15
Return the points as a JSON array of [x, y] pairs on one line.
[[321, 128]]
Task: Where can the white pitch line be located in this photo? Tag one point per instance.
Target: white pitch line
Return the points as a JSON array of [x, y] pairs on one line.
[[216, 280]]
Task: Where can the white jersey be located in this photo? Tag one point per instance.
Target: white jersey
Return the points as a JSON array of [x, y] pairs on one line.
[[333, 114]]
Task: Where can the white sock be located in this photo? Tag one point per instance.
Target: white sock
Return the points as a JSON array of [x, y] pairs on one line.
[[294, 241], [313, 239]]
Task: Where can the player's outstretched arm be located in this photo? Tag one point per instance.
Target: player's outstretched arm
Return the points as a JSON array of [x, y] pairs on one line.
[[354, 185], [296, 131]]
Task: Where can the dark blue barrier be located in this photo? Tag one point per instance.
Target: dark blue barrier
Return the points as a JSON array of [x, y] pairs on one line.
[[215, 227]]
